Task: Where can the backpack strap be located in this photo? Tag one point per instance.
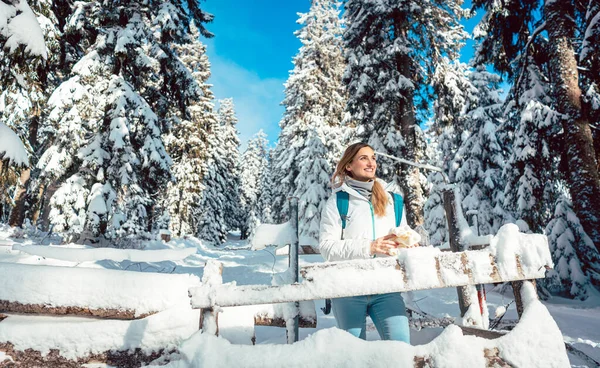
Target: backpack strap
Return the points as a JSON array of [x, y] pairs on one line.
[[398, 205], [342, 199]]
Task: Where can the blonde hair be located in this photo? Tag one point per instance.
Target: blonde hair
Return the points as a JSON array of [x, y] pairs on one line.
[[379, 197]]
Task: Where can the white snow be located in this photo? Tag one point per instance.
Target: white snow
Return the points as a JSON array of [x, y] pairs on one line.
[[510, 244], [97, 254], [11, 147], [534, 342], [93, 288], [20, 26], [79, 337], [270, 234]]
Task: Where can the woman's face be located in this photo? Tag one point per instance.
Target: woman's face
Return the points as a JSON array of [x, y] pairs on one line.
[[363, 165]]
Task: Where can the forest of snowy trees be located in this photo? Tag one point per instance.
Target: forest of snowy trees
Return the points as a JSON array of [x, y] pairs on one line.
[[110, 132]]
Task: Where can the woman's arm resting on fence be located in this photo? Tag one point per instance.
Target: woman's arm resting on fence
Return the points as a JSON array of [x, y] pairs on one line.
[[333, 248]]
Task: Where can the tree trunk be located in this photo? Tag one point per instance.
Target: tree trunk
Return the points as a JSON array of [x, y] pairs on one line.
[[17, 215], [589, 65], [405, 118], [583, 177], [45, 208]]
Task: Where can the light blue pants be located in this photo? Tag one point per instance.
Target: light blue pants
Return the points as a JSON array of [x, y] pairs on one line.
[[387, 311]]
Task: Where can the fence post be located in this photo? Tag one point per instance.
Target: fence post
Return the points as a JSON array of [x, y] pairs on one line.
[[456, 245], [209, 317], [293, 264]]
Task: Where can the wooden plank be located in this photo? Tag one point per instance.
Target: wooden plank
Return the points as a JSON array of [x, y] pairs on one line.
[[126, 358], [322, 280], [262, 320], [486, 334], [40, 309]]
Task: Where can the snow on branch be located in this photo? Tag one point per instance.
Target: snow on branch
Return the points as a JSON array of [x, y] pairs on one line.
[[20, 26], [11, 147]]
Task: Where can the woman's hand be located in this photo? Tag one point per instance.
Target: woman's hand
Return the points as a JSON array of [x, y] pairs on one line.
[[384, 245]]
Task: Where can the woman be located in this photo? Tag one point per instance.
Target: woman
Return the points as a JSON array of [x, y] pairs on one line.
[[370, 217]]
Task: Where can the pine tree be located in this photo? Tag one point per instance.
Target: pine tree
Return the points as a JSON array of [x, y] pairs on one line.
[[312, 190], [314, 101], [231, 175], [265, 200], [583, 169], [435, 216], [392, 50], [253, 163], [29, 71], [589, 61], [453, 91], [212, 226], [127, 74], [571, 248], [187, 144], [511, 31], [530, 171], [480, 159]]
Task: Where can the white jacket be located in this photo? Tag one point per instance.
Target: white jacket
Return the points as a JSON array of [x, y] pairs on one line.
[[362, 226]]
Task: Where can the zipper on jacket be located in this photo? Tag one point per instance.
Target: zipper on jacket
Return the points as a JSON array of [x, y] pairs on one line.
[[372, 221]]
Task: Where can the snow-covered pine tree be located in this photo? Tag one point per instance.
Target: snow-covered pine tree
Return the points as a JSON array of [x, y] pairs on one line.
[[589, 62], [314, 101], [129, 70], [516, 33], [312, 190], [29, 70], [531, 170], [253, 164], [266, 185], [187, 143], [231, 175], [453, 91], [479, 161], [392, 50], [434, 213], [572, 250], [211, 225]]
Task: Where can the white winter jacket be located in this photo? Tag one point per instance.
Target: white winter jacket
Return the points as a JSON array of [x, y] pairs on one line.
[[362, 226]]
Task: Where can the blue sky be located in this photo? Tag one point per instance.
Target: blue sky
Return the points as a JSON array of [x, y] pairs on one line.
[[251, 57]]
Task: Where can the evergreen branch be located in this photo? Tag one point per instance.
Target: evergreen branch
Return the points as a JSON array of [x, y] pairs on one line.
[[535, 33]]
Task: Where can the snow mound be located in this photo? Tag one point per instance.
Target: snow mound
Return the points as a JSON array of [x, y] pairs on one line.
[[535, 342]]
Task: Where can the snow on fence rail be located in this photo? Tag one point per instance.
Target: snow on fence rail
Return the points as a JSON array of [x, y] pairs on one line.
[[517, 257], [96, 254], [89, 291]]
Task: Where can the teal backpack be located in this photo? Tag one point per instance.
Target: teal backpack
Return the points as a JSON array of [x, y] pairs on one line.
[[343, 199]]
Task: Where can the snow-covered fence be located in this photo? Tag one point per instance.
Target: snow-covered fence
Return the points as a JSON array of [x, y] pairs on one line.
[[95, 292], [511, 256]]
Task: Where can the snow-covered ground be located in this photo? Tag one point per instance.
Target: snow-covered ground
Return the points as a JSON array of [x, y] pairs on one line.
[[177, 324]]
